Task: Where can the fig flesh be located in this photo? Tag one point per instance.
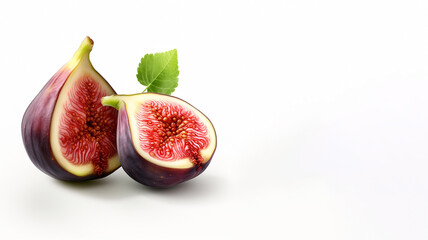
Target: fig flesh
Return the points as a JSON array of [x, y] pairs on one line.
[[161, 140], [66, 131]]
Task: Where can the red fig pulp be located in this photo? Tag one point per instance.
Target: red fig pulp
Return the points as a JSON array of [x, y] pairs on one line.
[[66, 131], [162, 140]]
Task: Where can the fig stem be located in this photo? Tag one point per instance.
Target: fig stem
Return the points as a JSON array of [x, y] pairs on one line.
[[83, 51], [113, 101]]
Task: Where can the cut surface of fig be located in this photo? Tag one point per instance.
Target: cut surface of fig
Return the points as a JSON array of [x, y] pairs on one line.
[[68, 124], [82, 129], [168, 133]]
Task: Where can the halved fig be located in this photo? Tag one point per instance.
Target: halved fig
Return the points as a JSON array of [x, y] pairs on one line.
[[161, 140], [67, 132]]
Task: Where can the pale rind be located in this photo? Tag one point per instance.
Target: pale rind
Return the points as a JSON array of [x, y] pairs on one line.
[[133, 102], [83, 68]]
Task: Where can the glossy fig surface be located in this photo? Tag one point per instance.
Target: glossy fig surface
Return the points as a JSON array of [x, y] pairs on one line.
[[161, 140], [66, 131]]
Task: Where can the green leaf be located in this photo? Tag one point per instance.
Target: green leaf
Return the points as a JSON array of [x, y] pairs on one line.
[[159, 72]]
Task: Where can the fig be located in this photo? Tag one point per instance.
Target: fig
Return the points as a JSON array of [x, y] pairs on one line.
[[161, 140], [67, 133]]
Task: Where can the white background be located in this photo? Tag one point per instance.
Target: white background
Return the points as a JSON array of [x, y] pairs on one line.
[[320, 109]]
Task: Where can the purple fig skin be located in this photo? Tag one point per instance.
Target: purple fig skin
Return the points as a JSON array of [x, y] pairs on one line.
[[35, 127], [140, 169]]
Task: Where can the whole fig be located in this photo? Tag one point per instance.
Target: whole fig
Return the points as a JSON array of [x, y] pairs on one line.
[[162, 140], [66, 131]]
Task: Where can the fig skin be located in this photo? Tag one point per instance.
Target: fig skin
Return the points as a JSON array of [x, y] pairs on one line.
[[36, 123], [35, 128], [143, 171]]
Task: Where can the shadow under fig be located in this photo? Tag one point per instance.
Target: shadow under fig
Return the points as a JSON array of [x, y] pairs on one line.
[[204, 186], [118, 185], [108, 188]]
